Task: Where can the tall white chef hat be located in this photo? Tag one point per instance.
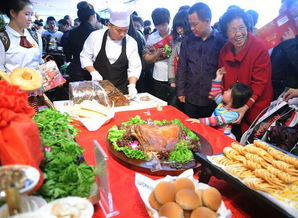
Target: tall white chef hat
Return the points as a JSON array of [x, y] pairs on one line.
[[120, 15]]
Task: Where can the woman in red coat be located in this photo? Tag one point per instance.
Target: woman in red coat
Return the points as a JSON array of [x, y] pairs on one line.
[[247, 61]]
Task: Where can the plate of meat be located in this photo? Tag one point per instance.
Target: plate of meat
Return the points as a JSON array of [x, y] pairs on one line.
[[145, 98], [156, 147]]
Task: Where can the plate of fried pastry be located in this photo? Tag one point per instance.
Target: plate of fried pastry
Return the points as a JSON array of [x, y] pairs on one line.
[[265, 169]]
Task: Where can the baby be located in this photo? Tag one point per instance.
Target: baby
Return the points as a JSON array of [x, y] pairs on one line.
[[224, 114]]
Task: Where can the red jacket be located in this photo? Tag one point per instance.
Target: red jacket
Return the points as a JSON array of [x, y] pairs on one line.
[[252, 67]]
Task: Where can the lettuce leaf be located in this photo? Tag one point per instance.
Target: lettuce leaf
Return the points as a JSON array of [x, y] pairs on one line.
[[182, 153]]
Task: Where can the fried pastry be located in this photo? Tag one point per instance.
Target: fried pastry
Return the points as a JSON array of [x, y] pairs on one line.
[[259, 151], [240, 171], [249, 164], [238, 147], [261, 144], [256, 158], [270, 178], [291, 160], [259, 184], [283, 176], [283, 166], [223, 160], [233, 154]]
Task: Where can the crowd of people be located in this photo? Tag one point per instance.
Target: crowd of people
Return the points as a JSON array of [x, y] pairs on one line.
[[188, 65]]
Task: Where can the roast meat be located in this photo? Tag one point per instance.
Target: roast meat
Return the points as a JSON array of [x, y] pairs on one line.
[[156, 138]]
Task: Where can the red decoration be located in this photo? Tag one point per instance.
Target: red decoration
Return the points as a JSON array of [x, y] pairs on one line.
[[19, 136]]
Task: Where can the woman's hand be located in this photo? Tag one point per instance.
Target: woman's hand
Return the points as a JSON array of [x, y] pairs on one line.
[[242, 110], [192, 120], [291, 93]]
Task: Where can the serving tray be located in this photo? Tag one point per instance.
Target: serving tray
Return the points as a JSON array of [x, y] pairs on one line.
[[208, 169], [166, 168]]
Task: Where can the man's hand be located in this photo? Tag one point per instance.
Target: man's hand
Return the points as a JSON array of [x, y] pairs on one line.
[[242, 110], [181, 99], [192, 120], [132, 91], [95, 75], [288, 35], [291, 93]]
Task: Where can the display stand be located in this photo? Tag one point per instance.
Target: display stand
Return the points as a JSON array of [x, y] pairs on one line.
[[102, 180]]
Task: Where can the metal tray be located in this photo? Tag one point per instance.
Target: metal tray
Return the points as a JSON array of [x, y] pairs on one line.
[[208, 169]]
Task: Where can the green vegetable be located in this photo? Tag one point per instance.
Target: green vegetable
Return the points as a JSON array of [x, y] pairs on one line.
[[189, 133], [115, 134], [64, 174], [181, 153], [53, 124], [134, 120]]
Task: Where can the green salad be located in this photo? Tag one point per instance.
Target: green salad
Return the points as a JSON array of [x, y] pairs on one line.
[[65, 171], [183, 152]]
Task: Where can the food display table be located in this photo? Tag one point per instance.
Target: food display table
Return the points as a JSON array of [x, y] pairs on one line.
[[125, 195]]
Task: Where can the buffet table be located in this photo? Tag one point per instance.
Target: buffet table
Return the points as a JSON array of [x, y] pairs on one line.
[[125, 195]]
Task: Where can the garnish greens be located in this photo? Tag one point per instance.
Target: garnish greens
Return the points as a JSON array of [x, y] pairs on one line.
[[65, 174], [182, 153]]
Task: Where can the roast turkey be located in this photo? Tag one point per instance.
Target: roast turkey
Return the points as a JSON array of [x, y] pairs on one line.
[[156, 138]]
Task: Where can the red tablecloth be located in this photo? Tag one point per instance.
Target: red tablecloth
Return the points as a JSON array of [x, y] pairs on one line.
[[125, 195]]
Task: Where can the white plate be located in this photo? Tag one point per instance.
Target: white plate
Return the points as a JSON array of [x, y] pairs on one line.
[[31, 174], [93, 124], [68, 206], [28, 205], [146, 185], [141, 98]]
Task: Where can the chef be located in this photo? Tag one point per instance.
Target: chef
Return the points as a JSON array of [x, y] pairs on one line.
[[112, 54]]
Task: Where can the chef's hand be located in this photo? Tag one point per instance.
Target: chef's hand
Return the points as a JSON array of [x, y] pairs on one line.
[[95, 75], [132, 91]]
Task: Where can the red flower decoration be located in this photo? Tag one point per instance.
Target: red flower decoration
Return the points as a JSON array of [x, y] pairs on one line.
[[13, 101]]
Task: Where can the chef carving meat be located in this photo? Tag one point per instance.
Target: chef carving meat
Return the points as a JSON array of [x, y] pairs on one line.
[[112, 54]]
